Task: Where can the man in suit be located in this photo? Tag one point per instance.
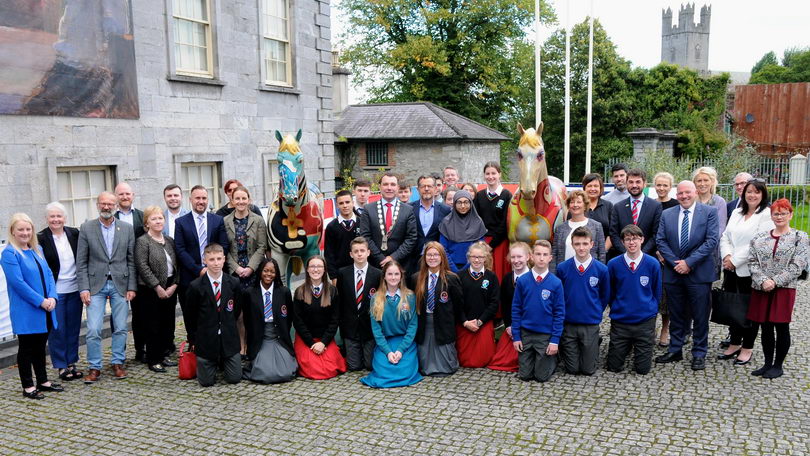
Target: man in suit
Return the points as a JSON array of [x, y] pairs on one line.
[[636, 210], [388, 225], [105, 268], [687, 237], [356, 284], [339, 234], [126, 212], [173, 196], [214, 303], [739, 184], [193, 232], [362, 191], [429, 213]]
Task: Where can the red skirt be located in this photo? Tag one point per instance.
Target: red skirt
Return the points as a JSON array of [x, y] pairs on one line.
[[475, 349], [506, 357], [773, 307], [328, 364], [500, 264]]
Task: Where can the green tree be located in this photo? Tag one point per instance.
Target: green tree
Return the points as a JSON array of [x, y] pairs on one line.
[[767, 59], [795, 67]]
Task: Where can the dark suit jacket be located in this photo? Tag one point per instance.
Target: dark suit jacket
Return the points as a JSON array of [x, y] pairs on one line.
[[699, 253], [730, 206], [188, 245], [401, 242], [440, 211], [648, 220], [254, 318], [445, 314], [355, 323], [137, 222], [206, 318], [45, 238]]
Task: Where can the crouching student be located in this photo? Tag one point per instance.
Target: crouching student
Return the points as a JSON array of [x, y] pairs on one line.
[[214, 304], [356, 284], [538, 313], [635, 291], [587, 292]]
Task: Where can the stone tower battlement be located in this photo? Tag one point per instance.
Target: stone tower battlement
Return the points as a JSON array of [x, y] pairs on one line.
[[686, 43]]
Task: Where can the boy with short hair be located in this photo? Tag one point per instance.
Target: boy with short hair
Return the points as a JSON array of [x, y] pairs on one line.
[[404, 193], [338, 234], [362, 191], [587, 292], [214, 304], [635, 291], [356, 286], [538, 313]]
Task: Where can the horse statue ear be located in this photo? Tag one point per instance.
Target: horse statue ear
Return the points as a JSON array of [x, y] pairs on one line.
[[279, 137], [298, 135], [520, 129], [540, 128]]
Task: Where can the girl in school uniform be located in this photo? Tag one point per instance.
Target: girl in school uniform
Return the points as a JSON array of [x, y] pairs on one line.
[[506, 357], [393, 323], [492, 205], [315, 317], [475, 334], [460, 229]]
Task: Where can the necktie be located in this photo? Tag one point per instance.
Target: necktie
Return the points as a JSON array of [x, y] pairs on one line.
[[431, 297], [268, 306], [316, 291], [632, 265], [492, 195], [477, 275], [388, 217], [358, 290], [348, 224], [684, 231], [202, 234], [581, 268], [217, 292], [539, 279], [635, 212]]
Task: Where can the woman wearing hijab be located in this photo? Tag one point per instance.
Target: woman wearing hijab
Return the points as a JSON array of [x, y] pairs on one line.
[[460, 229]]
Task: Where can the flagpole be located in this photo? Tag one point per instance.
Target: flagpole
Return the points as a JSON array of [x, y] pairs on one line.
[[538, 117], [567, 144], [590, 94]]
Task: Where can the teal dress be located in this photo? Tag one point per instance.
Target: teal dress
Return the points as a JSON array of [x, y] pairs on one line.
[[394, 333]]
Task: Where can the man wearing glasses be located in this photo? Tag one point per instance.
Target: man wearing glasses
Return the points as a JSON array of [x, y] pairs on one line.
[[429, 213], [739, 184]]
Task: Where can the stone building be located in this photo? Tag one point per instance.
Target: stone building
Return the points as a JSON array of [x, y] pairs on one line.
[[686, 44], [413, 139], [215, 79]]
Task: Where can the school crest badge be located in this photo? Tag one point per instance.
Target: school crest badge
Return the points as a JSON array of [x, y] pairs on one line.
[[499, 204], [371, 292], [443, 297], [593, 281], [545, 294], [284, 310], [229, 306], [485, 284], [644, 280]]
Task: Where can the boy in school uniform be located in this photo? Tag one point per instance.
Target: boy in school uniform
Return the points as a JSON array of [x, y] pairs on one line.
[[356, 286], [538, 313], [338, 235], [635, 291], [214, 303], [587, 293]]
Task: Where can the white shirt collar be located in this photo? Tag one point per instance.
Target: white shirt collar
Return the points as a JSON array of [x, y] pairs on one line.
[[397, 293], [352, 218], [640, 198], [212, 278], [629, 260], [535, 274], [265, 290], [393, 201], [691, 208], [497, 191], [480, 271], [364, 269], [585, 264]]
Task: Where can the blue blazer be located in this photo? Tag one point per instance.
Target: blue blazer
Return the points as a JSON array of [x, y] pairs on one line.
[[440, 211], [188, 245], [25, 293], [183, 211], [699, 253], [730, 206]]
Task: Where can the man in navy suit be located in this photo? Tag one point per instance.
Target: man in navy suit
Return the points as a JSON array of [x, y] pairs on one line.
[[739, 184], [687, 238], [637, 210], [429, 213], [192, 233]]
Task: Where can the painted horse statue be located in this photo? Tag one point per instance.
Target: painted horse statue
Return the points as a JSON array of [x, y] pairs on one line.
[[294, 221], [537, 207]]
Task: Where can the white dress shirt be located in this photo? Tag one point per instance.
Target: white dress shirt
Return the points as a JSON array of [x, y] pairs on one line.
[[67, 282], [264, 293]]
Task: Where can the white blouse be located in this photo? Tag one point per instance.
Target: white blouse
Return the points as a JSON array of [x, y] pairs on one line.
[[736, 239], [67, 282]]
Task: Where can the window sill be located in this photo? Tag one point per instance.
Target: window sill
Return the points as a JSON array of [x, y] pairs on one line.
[[195, 80], [279, 89]]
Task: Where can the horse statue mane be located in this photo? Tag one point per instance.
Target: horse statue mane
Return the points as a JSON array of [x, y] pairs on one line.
[[295, 219], [537, 207]]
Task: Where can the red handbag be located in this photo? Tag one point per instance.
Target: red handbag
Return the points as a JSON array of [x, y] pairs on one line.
[[186, 363]]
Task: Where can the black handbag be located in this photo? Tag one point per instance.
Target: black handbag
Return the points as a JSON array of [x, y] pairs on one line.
[[803, 275], [730, 308]]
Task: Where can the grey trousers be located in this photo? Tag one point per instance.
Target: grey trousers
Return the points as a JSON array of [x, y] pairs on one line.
[[579, 348], [359, 354], [207, 370], [639, 337], [533, 362]]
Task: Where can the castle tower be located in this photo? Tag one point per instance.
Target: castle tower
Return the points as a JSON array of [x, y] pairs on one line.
[[687, 43]]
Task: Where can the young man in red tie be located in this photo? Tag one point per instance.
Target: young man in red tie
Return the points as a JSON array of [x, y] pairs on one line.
[[356, 286]]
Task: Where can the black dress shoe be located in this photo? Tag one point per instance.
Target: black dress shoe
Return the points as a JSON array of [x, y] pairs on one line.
[[773, 372], [670, 357], [157, 368], [54, 388], [759, 372], [168, 363], [739, 362], [723, 356], [698, 364], [33, 395]]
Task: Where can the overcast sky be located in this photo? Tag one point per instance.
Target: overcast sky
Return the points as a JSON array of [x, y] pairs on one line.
[[741, 30]]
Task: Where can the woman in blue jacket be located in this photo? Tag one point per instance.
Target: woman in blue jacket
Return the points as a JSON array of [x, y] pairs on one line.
[[32, 298]]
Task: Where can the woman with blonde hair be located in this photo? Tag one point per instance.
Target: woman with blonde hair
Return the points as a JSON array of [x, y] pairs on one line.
[[576, 202], [705, 180], [32, 299], [394, 323], [475, 334], [506, 357]]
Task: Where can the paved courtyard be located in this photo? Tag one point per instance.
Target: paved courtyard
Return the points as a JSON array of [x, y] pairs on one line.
[[722, 410]]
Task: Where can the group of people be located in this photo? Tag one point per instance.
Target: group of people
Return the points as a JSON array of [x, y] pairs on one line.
[[406, 289]]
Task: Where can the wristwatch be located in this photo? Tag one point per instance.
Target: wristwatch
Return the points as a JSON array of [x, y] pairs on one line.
[[479, 323]]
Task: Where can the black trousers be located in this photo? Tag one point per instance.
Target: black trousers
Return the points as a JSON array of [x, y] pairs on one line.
[[638, 337], [739, 335], [158, 323], [31, 353], [139, 324]]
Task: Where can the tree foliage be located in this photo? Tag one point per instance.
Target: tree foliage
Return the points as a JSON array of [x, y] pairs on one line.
[[768, 59], [795, 67]]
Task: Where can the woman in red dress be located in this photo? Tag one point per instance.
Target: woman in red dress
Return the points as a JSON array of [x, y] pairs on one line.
[[475, 334]]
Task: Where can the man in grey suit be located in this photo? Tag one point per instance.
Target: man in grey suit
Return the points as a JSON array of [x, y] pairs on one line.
[[388, 225], [105, 268]]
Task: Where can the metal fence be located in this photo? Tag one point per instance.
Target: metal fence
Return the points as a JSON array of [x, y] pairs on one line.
[[798, 195], [775, 170]]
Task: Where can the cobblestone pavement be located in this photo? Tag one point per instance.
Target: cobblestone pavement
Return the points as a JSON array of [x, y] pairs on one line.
[[722, 410]]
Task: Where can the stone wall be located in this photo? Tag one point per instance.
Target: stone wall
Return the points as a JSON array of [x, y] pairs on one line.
[[231, 123], [417, 158]]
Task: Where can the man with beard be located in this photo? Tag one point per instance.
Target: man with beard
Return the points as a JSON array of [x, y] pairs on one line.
[[618, 175], [636, 210], [173, 196]]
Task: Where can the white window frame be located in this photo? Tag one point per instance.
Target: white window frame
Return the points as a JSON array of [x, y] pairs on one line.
[[273, 178], [264, 37], [71, 201], [215, 194], [209, 38]]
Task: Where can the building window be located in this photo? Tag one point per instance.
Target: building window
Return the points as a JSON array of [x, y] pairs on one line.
[[78, 188], [377, 154], [193, 44], [205, 174], [276, 52], [697, 52], [273, 180]]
